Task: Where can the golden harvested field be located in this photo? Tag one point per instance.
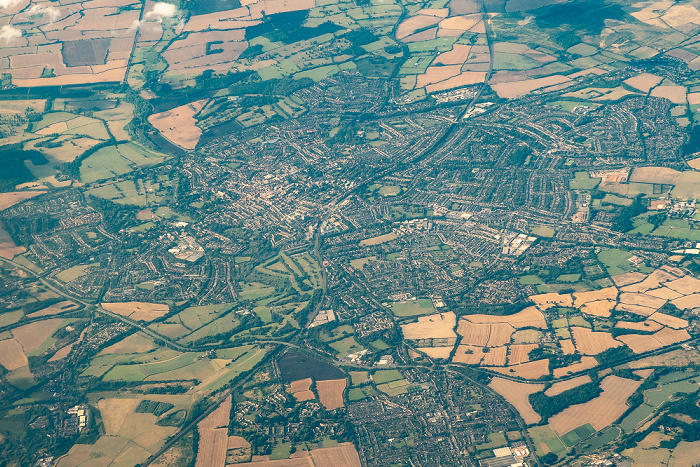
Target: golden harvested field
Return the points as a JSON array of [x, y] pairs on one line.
[[463, 79], [300, 389], [32, 335], [468, 354], [298, 459], [213, 436], [567, 346], [299, 385], [652, 281], [661, 175], [496, 356], [600, 308], [515, 89], [61, 353], [456, 56], [628, 278], [641, 300], [608, 293], [435, 74], [558, 388], [640, 343], [676, 94], [685, 454], [518, 353], [343, 455], [500, 334], [549, 300], [178, 125], [138, 431], [651, 326], [517, 395], [592, 343], [599, 412], [665, 293], [302, 396], [673, 270], [138, 311], [378, 239], [236, 442], [8, 249], [668, 336], [135, 343], [636, 309], [529, 370], [102, 453], [686, 285], [643, 82], [414, 23], [474, 334], [436, 352], [530, 317], [668, 320], [20, 106], [56, 308], [330, 393], [689, 301], [11, 355], [585, 364], [10, 199], [114, 413], [439, 325]]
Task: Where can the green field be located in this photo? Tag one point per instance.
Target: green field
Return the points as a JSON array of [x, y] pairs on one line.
[[631, 421], [604, 437], [385, 376], [569, 278], [355, 394], [616, 261], [198, 316], [496, 440], [576, 435], [379, 345], [530, 280], [359, 377], [394, 388], [544, 434], [281, 451], [543, 231], [389, 190], [116, 160], [421, 306], [10, 317], [583, 181], [255, 290], [346, 346], [337, 333]]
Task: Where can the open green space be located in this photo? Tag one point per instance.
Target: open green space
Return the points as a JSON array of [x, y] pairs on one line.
[[385, 376], [576, 435], [346, 346], [583, 181], [495, 440], [544, 434], [423, 306]]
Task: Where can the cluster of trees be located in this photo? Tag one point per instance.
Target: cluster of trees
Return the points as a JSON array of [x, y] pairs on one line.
[[614, 355], [13, 170], [623, 222], [548, 406]]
